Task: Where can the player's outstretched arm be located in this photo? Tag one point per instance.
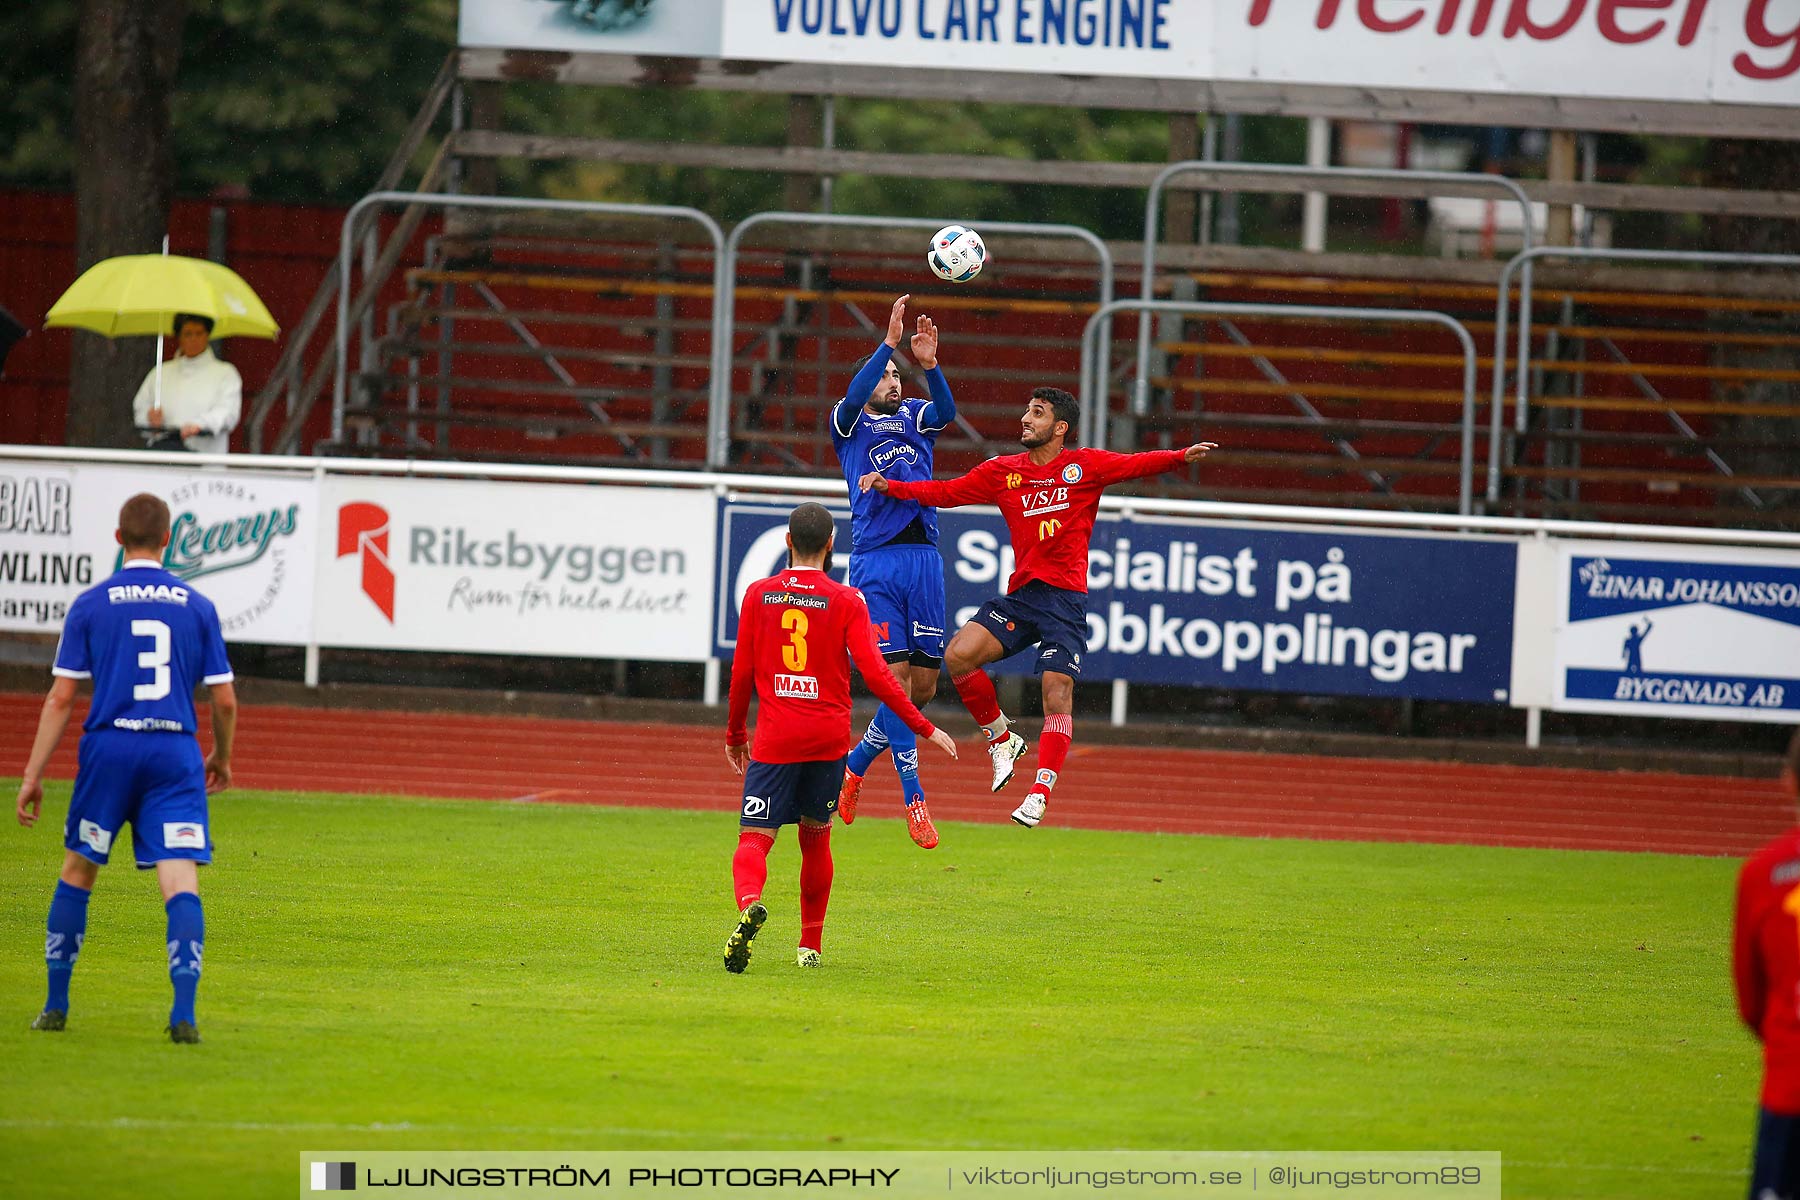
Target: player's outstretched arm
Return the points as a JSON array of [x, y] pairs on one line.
[[224, 727], [977, 487], [53, 719], [1107, 466]]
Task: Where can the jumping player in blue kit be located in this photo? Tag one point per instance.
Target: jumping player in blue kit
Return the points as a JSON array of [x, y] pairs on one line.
[[147, 640], [894, 558]]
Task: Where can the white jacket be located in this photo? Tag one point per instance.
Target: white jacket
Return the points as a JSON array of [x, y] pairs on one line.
[[195, 391]]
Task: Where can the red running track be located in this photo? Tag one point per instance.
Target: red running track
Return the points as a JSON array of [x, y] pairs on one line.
[[1104, 787]]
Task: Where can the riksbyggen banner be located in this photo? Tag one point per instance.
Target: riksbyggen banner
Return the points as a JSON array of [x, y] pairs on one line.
[[244, 539], [1228, 606], [1678, 631], [515, 568], [1729, 51]]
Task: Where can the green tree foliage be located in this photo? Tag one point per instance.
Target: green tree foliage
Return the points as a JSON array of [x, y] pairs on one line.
[[290, 99], [304, 100]]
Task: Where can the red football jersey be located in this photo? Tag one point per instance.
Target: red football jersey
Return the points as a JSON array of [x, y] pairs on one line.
[[797, 634], [1049, 509], [1765, 959]]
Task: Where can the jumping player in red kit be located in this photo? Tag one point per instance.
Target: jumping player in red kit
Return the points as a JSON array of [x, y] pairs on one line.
[[797, 635], [1765, 961], [1049, 496]]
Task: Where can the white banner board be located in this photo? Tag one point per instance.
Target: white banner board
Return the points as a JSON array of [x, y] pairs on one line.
[[243, 539], [1729, 51], [1673, 631], [472, 566]]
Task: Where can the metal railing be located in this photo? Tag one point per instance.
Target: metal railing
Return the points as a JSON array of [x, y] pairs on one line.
[[718, 435], [1333, 179], [289, 371], [1522, 263], [347, 237], [1093, 361]]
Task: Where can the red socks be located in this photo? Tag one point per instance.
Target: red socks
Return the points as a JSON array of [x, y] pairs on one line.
[[750, 865], [983, 703], [1053, 748], [815, 883]]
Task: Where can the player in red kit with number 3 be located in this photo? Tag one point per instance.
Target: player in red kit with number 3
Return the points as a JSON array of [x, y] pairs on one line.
[[1049, 496], [1765, 961], [797, 636]]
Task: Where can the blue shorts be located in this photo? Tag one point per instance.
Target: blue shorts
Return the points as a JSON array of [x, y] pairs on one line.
[[1037, 614], [904, 586], [777, 794], [156, 782]]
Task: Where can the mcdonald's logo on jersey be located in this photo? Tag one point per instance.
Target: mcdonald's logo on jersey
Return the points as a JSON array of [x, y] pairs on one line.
[[1048, 530]]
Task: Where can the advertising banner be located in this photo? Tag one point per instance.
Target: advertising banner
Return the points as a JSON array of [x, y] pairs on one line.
[[515, 568], [243, 539], [1229, 606], [1668, 50], [1678, 631]]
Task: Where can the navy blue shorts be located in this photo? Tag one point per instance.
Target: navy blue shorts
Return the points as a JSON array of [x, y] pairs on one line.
[[904, 586], [777, 794], [1775, 1168], [1037, 614], [156, 782]]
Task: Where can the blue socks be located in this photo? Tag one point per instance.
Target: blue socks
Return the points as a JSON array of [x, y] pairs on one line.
[[888, 732], [874, 741], [905, 745], [63, 934], [187, 937]]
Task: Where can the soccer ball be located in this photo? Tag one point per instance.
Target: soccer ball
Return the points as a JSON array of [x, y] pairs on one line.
[[957, 254]]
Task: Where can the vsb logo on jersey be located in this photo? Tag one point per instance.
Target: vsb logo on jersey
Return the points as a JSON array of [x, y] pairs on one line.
[[1048, 530], [1014, 479], [1072, 473]]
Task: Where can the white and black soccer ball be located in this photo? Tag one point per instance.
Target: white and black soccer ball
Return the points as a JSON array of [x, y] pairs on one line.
[[957, 254]]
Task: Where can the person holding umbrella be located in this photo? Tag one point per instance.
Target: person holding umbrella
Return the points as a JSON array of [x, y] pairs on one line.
[[194, 400]]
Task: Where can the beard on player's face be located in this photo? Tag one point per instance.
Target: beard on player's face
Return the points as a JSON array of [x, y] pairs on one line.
[[1037, 429], [886, 398]]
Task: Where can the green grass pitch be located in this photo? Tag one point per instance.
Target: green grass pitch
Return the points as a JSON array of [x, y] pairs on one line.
[[406, 974]]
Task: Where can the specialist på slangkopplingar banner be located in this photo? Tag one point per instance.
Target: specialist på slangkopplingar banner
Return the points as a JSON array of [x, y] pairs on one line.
[[1208, 604], [244, 539], [1678, 631], [472, 566]]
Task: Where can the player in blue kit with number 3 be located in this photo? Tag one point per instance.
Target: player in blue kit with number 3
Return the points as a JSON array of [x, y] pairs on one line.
[[894, 559], [146, 639]]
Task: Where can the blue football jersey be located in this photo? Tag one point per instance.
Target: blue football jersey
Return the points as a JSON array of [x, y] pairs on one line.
[[146, 639], [899, 446]]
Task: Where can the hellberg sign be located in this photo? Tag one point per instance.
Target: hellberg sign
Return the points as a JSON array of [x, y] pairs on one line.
[[1726, 51]]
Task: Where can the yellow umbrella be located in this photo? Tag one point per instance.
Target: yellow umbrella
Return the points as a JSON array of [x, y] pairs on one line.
[[141, 293]]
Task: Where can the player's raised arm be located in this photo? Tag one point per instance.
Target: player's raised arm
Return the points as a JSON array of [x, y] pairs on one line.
[[866, 654], [937, 415], [979, 486], [863, 383]]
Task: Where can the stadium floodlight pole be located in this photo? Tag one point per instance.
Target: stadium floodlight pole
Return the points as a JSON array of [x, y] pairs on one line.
[[1522, 262], [347, 237], [1140, 403], [1093, 369], [718, 437]]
